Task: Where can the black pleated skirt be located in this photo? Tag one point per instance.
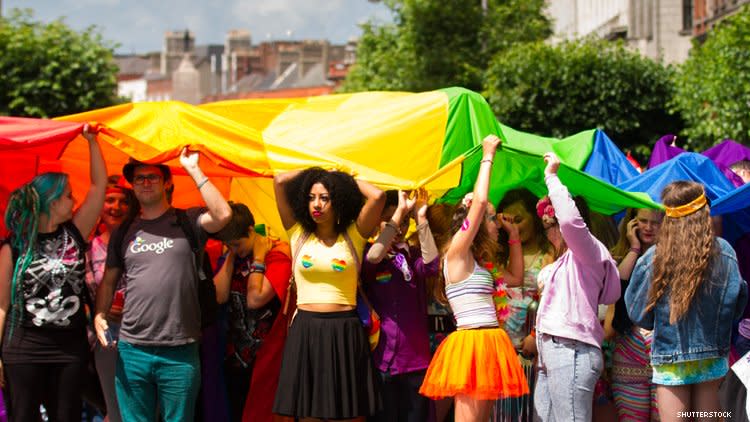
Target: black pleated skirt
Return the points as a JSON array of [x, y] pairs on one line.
[[327, 370]]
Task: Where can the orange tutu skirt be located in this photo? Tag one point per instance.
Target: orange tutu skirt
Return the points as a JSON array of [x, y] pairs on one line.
[[480, 363]]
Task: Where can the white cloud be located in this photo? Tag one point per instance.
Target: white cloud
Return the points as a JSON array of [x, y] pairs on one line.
[[139, 25]]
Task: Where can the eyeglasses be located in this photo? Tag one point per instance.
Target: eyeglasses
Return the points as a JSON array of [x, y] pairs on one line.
[[141, 179]]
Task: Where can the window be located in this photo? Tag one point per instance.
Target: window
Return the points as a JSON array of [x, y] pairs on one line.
[[687, 15]]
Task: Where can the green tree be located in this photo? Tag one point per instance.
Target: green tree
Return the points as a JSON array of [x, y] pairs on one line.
[[713, 85], [562, 89], [48, 69], [438, 43]]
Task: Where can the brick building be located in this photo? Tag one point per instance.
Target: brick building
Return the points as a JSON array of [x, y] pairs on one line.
[[237, 69]]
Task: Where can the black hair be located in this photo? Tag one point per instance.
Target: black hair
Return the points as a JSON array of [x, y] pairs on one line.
[[239, 225], [391, 198], [346, 199]]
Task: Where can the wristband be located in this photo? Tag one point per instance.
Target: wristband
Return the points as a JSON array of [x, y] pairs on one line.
[[512, 242], [486, 161], [258, 267], [393, 225], [200, 185], [637, 251]]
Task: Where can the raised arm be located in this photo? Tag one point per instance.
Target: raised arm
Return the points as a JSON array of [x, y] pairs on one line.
[[513, 274], [426, 240], [280, 182], [223, 278], [278, 269], [369, 216], [87, 215], [574, 231], [219, 213], [628, 261], [380, 248], [259, 289], [460, 246]]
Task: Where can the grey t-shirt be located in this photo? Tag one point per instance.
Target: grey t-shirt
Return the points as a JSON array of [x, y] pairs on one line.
[[161, 297]]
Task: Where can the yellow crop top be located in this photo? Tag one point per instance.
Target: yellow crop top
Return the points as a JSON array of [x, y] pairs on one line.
[[326, 274]]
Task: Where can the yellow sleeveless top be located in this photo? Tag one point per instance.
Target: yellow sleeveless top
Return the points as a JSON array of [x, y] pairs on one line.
[[326, 274]]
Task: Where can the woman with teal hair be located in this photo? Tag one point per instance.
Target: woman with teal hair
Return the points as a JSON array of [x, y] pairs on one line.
[[43, 293]]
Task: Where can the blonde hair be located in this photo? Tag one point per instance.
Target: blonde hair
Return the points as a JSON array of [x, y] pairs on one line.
[[685, 250], [622, 247]]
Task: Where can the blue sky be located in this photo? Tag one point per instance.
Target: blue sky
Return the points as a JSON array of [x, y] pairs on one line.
[[139, 26]]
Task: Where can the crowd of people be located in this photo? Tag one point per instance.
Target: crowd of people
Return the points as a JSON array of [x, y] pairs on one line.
[[528, 309]]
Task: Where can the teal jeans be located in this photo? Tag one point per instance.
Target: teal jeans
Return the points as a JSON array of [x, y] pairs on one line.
[[167, 377]]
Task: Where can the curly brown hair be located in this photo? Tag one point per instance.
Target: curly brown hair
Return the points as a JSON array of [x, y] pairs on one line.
[[685, 250]]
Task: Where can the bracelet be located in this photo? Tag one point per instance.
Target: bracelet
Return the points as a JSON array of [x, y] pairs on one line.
[[485, 161], [200, 185], [637, 251], [258, 267], [393, 225], [514, 242]]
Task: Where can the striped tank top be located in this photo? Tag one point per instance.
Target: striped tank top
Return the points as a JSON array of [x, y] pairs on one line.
[[471, 299]]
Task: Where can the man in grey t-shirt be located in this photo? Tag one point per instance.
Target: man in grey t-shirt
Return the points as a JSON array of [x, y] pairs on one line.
[[158, 344]]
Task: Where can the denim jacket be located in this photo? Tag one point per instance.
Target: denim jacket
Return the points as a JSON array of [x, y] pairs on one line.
[[705, 330]]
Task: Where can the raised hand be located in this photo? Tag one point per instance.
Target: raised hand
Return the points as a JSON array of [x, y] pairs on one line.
[[632, 234], [189, 159], [553, 163], [409, 199], [421, 198], [507, 223], [261, 246], [489, 146], [88, 133]]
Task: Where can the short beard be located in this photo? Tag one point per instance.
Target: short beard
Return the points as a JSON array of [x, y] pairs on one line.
[[154, 200]]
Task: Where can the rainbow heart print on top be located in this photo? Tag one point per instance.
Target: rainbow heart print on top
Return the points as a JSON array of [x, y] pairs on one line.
[[383, 277], [338, 265], [307, 261]]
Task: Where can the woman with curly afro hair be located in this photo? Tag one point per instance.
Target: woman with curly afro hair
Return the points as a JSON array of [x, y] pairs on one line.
[[327, 371]]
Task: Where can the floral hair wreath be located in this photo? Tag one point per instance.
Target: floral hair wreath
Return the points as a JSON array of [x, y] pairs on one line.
[[546, 212]]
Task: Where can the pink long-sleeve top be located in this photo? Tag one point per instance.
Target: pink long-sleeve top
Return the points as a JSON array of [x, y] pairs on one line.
[[581, 279]]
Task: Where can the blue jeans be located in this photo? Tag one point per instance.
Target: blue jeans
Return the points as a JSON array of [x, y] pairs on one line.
[[568, 371], [169, 375]]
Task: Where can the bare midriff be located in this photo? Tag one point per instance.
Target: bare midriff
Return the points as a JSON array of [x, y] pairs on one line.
[[325, 307]]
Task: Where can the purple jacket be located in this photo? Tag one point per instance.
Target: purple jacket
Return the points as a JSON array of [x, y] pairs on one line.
[[404, 344], [582, 278]]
